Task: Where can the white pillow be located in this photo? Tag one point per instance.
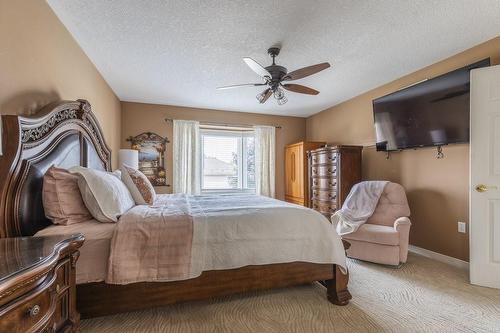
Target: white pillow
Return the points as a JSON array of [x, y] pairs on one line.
[[104, 194]]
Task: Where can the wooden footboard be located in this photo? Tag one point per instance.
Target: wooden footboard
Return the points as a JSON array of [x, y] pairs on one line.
[[99, 299]]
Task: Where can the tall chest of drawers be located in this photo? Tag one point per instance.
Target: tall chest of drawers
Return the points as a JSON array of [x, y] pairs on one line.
[[332, 172]]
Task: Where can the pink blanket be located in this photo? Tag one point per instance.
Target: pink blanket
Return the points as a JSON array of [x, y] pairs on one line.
[[153, 243]]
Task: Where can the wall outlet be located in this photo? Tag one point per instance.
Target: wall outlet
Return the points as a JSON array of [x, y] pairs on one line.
[[462, 227]]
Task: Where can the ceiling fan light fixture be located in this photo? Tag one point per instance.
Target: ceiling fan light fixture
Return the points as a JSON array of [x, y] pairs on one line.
[[260, 97], [278, 93], [280, 97], [282, 100]]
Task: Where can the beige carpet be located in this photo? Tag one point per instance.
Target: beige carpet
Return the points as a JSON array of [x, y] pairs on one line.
[[422, 296]]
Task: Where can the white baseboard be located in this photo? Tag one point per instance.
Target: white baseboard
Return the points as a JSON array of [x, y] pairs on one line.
[[439, 257]]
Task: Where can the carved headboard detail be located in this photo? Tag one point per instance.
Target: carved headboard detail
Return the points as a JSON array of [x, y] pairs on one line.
[[64, 134]]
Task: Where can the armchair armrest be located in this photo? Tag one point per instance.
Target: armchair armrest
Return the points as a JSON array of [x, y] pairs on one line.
[[402, 226], [402, 222]]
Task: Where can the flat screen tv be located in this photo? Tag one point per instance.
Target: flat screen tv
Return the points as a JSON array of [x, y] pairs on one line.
[[434, 112]]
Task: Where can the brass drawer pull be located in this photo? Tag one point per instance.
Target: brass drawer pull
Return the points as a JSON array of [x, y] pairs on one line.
[[34, 311]]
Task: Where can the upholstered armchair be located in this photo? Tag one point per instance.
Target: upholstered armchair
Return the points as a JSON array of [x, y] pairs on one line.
[[384, 237]]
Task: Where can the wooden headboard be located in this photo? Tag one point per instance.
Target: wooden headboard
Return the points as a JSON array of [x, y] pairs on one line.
[[64, 134]]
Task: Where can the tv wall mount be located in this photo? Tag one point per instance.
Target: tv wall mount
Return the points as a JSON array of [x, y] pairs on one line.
[[440, 153]]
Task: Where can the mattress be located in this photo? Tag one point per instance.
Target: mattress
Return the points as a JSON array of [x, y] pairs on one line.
[[229, 232], [92, 266]]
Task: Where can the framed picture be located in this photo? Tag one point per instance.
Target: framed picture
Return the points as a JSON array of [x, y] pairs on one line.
[[151, 149]]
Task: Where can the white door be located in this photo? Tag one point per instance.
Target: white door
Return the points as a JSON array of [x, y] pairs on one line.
[[485, 177]]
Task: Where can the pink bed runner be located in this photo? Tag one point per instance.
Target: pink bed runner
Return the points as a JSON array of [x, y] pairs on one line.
[[153, 243]]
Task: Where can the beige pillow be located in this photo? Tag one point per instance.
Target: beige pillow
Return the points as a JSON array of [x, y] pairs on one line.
[[104, 194], [139, 185], [61, 198]]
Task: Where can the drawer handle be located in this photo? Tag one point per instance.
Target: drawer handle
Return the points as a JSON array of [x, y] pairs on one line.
[[34, 311]]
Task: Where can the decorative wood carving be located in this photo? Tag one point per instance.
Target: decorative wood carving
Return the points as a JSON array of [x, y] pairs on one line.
[[37, 133]]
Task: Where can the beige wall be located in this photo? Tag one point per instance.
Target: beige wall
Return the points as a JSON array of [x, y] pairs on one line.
[[40, 62], [437, 189], [138, 118]]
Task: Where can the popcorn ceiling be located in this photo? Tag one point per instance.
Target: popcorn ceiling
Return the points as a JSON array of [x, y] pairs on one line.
[[178, 52]]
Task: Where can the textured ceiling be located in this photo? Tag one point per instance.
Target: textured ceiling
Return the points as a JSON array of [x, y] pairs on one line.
[[178, 52]]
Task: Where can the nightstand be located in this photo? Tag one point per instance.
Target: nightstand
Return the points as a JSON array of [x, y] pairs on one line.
[[37, 284]]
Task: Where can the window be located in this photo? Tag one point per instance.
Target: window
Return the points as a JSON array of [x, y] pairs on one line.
[[228, 163]]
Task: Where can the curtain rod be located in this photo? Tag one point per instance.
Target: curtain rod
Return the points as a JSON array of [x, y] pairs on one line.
[[222, 124]]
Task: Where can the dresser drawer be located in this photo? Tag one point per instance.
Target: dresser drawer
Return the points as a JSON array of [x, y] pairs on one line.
[[324, 158], [324, 170], [324, 207], [324, 195], [324, 183], [30, 313]]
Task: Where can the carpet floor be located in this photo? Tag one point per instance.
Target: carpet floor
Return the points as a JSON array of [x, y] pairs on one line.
[[422, 296]]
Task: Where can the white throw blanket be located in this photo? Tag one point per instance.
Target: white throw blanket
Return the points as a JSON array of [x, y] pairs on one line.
[[358, 206]]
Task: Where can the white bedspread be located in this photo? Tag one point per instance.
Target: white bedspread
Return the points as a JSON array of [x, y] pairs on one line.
[[239, 230]]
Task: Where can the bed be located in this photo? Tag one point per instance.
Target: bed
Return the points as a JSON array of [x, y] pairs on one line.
[[67, 134]]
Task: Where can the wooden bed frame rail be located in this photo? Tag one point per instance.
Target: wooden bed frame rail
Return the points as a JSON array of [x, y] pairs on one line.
[[100, 299]]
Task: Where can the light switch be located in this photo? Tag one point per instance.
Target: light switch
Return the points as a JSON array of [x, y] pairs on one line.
[[462, 227]]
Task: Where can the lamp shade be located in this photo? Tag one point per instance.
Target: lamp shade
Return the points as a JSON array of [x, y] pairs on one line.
[[129, 157]]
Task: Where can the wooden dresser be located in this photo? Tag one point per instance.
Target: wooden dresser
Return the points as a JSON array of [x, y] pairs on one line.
[[37, 284], [332, 172], [296, 180]]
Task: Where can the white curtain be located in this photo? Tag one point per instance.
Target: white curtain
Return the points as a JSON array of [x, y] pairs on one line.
[[186, 157], [265, 138]]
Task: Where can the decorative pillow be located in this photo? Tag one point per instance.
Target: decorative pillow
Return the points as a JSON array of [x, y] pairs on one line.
[[139, 185], [106, 196], [61, 198]]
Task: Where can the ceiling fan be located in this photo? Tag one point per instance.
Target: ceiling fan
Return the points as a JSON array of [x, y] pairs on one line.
[[276, 76]]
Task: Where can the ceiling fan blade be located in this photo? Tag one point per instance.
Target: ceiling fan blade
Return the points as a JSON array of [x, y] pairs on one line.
[[242, 85], [256, 67], [264, 96], [306, 71], [300, 89]]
